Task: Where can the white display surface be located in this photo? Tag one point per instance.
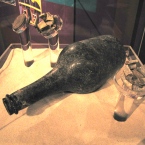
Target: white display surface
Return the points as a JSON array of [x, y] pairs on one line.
[[73, 119]]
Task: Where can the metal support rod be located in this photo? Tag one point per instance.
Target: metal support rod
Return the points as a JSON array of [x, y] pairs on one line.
[[21, 27]]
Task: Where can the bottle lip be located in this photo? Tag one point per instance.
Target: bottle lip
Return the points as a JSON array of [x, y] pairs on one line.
[[7, 106], [11, 104]]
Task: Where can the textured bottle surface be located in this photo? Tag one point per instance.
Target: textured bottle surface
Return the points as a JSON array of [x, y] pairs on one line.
[[82, 67]]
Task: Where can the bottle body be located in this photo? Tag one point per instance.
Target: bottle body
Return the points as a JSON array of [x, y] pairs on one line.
[[82, 67]]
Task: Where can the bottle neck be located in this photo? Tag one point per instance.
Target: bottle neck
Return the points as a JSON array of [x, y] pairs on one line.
[[49, 84]]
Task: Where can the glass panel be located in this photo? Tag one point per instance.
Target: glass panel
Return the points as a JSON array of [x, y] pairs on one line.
[[99, 17], [7, 15]]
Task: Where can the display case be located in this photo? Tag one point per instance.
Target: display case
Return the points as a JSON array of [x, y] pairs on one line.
[[81, 19], [71, 118]]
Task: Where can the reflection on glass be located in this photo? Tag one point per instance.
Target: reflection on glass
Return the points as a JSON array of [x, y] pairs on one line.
[[101, 17], [11, 2]]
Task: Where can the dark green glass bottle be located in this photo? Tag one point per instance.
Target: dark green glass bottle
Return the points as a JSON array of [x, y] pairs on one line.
[[82, 67]]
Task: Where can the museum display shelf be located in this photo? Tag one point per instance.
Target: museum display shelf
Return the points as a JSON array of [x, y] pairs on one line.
[[73, 119]]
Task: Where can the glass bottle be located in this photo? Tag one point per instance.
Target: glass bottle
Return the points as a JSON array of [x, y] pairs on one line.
[[82, 67]]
